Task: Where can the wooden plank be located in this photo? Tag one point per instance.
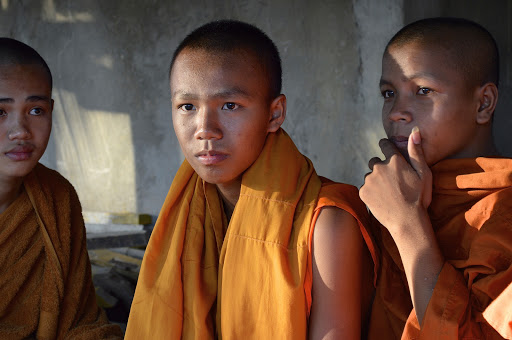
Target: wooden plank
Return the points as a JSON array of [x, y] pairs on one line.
[[108, 258]]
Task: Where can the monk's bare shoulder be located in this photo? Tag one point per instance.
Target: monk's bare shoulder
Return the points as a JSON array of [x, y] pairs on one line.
[[335, 219]]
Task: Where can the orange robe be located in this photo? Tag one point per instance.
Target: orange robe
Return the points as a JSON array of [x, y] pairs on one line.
[[45, 275], [471, 213], [201, 279]]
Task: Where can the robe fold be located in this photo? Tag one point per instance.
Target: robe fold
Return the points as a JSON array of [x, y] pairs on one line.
[[471, 213], [204, 279], [45, 280]]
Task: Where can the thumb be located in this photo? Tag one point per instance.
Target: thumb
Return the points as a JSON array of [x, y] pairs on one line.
[[415, 151]]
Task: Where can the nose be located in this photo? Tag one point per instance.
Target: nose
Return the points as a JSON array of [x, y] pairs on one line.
[[19, 127], [399, 110], [208, 125]]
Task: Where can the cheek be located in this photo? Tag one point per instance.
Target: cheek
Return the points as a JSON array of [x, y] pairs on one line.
[[181, 128], [434, 141], [386, 124], [250, 130], [42, 129], [3, 130], [386, 109]]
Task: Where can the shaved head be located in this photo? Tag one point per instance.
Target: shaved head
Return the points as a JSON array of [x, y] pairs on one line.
[[470, 48], [226, 36], [14, 52]]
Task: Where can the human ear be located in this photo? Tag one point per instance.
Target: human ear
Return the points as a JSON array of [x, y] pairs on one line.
[[277, 113], [487, 99]]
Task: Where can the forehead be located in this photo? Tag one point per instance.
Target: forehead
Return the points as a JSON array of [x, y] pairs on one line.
[[197, 70], [420, 60], [25, 76]]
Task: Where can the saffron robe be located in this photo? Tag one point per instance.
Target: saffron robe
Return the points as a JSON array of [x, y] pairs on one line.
[[45, 274], [471, 213], [201, 279]]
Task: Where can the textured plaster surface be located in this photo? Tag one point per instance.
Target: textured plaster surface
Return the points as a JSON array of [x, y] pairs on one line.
[[112, 134]]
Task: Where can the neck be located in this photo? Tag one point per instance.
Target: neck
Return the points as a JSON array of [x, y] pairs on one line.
[[488, 148], [482, 145], [230, 193], [492, 151], [9, 191]]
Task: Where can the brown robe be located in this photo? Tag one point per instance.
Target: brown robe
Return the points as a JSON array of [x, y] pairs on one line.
[[471, 213], [45, 274]]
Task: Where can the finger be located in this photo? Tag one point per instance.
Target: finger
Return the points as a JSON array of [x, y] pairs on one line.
[[366, 175], [373, 161], [388, 148], [362, 189], [415, 150]]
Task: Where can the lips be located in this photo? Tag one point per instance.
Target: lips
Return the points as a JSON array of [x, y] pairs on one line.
[[400, 141], [20, 152], [210, 157]]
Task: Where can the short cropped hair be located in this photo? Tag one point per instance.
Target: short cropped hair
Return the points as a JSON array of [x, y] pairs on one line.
[[471, 49], [14, 52], [233, 35]]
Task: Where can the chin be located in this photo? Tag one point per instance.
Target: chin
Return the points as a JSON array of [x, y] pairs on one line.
[[210, 177]]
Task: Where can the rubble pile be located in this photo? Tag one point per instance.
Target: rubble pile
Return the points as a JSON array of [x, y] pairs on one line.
[[114, 274], [115, 244]]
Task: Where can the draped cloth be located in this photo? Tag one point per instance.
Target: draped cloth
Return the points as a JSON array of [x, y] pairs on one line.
[[471, 213], [201, 279], [45, 280]]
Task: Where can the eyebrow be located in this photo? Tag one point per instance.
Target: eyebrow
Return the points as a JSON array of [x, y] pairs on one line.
[[35, 98], [230, 92], [384, 82]]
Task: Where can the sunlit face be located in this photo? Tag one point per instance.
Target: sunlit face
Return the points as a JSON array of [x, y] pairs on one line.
[[420, 88], [221, 111], [25, 118]]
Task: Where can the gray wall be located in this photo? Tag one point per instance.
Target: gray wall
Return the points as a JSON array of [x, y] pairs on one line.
[[112, 134]]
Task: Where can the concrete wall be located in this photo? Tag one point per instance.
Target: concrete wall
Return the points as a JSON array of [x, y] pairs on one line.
[[112, 133]]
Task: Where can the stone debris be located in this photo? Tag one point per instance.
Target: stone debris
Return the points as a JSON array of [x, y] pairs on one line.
[[115, 243], [114, 274]]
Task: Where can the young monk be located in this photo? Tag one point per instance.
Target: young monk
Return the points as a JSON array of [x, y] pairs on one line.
[[233, 254], [443, 194], [45, 275]]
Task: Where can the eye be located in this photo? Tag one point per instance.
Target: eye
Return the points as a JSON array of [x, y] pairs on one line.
[[424, 91], [186, 107], [388, 94], [2, 113], [36, 111], [230, 106]]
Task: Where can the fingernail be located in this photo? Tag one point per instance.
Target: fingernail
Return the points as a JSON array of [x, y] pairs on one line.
[[416, 137]]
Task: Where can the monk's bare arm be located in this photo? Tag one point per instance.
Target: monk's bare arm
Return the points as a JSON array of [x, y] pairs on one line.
[[421, 257], [398, 195], [337, 261]]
